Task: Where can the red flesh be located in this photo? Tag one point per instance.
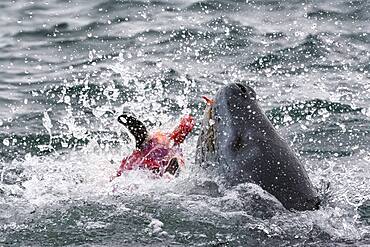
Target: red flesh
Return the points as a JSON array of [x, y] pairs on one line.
[[157, 152]]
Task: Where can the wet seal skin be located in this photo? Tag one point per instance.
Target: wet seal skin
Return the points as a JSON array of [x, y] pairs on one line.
[[239, 143]]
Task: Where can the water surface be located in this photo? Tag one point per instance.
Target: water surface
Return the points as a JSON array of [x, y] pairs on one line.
[[68, 68]]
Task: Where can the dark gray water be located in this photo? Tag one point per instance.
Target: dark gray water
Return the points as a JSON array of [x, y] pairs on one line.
[[67, 68]]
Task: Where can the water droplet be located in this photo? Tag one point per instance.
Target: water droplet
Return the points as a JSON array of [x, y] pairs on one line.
[[27, 156], [67, 100], [6, 142]]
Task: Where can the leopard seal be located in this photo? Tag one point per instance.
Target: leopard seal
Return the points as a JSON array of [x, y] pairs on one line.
[[239, 143]]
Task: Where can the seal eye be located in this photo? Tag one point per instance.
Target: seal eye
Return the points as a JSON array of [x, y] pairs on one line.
[[237, 143]]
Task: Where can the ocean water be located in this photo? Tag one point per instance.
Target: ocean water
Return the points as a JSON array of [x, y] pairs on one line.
[[68, 68]]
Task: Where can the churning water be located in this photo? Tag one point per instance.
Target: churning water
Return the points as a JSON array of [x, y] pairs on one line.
[[68, 68]]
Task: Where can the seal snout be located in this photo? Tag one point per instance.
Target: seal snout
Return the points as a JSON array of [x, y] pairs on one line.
[[242, 88]]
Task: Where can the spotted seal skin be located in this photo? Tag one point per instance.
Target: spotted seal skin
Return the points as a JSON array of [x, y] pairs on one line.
[[239, 143]]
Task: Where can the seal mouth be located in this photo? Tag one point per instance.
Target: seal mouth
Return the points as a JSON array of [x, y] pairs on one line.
[[210, 129]]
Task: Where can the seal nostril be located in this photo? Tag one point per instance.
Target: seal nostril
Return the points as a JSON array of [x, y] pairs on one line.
[[242, 87]]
